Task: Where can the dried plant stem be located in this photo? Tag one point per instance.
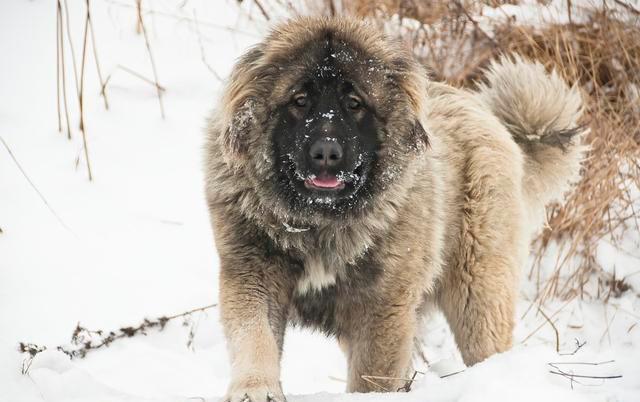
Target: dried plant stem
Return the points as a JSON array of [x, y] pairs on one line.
[[58, 22], [81, 94], [134, 73], [63, 69], [595, 377], [371, 380], [33, 186], [262, 10], [148, 45], [103, 92], [69, 38], [203, 56], [475, 23], [542, 325], [628, 6], [84, 340], [555, 329], [142, 77]]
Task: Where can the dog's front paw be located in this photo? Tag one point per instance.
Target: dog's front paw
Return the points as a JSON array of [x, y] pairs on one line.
[[255, 390]]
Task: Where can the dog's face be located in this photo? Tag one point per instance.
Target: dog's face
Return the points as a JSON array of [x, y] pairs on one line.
[[326, 140], [334, 123]]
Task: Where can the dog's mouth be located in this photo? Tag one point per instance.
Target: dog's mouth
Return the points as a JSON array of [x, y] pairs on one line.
[[334, 183], [326, 182], [324, 187]]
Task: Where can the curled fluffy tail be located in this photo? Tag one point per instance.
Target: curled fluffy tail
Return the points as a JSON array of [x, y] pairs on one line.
[[541, 112]]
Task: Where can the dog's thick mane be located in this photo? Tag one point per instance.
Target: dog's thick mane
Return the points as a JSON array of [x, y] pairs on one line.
[[236, 177]]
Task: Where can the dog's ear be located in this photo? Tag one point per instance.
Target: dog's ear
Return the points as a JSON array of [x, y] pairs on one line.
[[419, 136], [237, 130], [242, 103]]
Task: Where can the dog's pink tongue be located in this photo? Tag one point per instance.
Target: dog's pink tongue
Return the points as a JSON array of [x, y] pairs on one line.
[[326, 182]]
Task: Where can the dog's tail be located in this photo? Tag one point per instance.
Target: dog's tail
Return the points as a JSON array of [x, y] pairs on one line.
[[541, 112]]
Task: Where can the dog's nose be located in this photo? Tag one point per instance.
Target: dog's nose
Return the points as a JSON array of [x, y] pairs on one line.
[[326, 152]]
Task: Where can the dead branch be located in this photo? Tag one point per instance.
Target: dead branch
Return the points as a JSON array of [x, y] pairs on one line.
[[83, 128], [628, 6], [83, 340], [148, 45], [203, 55], [33, 186], [70, 39], [95, 57], [475, 23], [555, 330], [572, 377], [578, 347], [371, 380], [452, 374], [262, 10], [407, 386], [135, 74], [63, 70], [58, 22], [181, 18], [595, 377]]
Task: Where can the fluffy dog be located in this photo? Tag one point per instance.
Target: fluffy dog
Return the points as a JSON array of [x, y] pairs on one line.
[[349, 193]]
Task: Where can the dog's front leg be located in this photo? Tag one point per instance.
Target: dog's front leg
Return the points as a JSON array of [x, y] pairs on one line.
[[253, 307], [379, 352]]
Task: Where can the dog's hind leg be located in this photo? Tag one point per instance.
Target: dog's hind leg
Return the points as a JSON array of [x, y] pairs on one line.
[[479, 303]]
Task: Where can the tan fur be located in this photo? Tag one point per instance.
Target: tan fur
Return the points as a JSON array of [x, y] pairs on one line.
[[449, 226]]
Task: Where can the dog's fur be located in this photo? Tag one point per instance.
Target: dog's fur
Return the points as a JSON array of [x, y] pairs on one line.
[[461, 183]]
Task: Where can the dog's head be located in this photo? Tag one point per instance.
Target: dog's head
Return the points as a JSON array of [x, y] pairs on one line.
[[326, 114]]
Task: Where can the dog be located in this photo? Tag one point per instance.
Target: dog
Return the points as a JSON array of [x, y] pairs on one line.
[[349, 193]]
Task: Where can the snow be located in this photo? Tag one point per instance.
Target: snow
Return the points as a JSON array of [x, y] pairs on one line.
[[136, 242]]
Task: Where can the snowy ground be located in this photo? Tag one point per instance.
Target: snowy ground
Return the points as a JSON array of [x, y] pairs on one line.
[[136, 241]]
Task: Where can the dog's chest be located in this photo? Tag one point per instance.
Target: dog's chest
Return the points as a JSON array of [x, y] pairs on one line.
[[327, 294], [317, 275]]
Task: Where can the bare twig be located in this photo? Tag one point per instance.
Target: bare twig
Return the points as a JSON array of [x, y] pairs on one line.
[[594, 377], [555, 330], [452, 374], [182, 18], [63, 70], [33, 186], [572, 377], [407, 386], [95, 56], [148, 45], [371, 380], [83, 128], [579, 346], [542, 325], [58, 22], [137, 75], [70, 39], [262, 10], [203, 56], [628, 6], [475, 23], [84, 340], [553, 364]]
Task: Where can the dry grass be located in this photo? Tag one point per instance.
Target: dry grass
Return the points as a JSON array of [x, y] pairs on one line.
[[597, 49]]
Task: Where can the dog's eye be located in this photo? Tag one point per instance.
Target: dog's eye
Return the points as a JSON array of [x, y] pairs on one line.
[[300, 100], [354, 103]]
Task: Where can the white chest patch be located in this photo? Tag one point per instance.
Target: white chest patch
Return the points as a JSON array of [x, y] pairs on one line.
[[316, 276]]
